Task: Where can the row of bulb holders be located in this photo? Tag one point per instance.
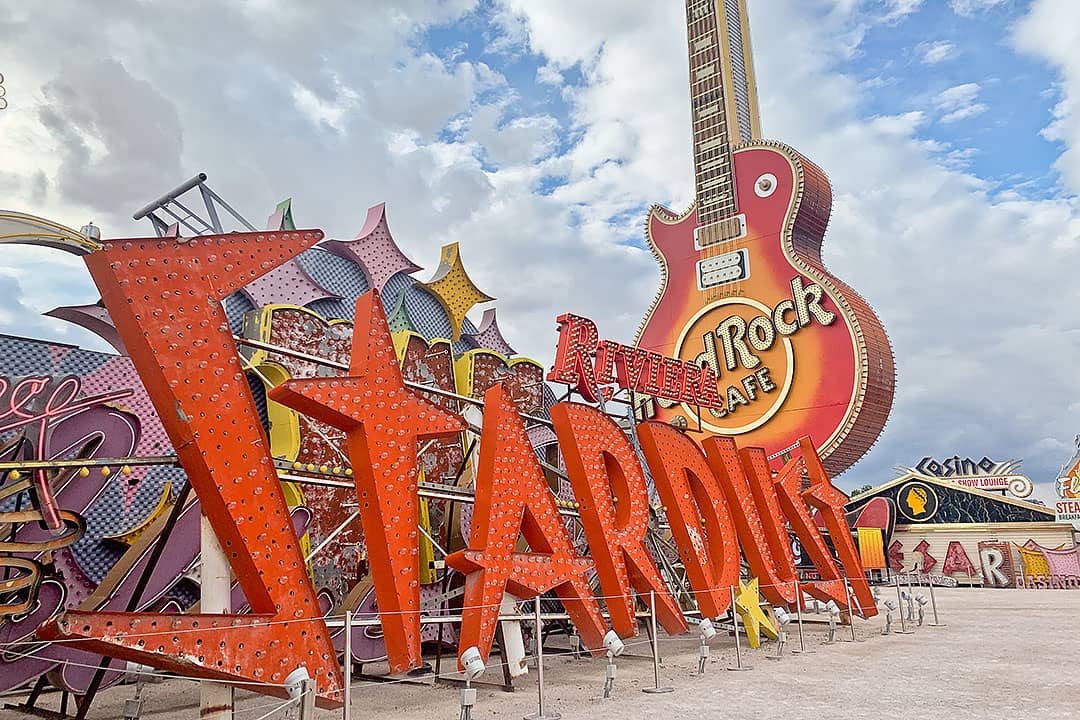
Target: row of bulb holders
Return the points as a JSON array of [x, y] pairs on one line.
[[83, 472]]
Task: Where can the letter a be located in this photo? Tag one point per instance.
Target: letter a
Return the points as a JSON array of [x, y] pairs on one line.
[[512, 498]]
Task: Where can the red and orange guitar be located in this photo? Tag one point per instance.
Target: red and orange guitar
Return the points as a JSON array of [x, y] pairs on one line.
[[796, 351]]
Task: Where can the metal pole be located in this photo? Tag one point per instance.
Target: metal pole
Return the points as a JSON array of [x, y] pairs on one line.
[[798, 615], [655, 650], [346, 708], [307, 699], [540, 714], [933, 602], [850, 612], [911, 599], [216, 700], [900, 605], [738, 643]]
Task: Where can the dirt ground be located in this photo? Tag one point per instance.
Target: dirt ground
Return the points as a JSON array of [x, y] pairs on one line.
[[1002, 654]]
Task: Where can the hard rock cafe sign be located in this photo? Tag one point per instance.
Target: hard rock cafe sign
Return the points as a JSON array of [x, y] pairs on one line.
[[744, 294]]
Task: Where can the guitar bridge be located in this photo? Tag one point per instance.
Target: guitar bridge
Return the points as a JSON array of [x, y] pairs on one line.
[[723, 269]]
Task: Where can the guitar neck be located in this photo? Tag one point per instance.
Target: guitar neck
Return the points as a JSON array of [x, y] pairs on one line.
[[723, 105]]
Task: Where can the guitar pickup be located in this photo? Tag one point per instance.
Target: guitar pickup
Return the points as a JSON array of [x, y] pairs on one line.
[[723, 269]]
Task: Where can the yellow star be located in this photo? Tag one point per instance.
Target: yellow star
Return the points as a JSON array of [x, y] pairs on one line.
[[754, 619], [453, 289]]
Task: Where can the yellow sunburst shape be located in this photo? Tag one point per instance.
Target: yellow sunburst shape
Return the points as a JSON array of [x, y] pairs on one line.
[[754, 619], [453, 288]]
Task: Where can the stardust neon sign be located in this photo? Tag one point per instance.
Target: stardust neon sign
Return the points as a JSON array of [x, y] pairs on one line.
[[164, 296]]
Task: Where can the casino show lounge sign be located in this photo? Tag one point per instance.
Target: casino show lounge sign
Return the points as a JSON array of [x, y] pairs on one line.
[[722, 501]]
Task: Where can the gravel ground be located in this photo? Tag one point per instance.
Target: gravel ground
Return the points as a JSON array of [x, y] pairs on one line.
[[1002, 654]]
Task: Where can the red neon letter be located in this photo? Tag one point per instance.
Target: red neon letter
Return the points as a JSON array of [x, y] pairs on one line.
[[692, 496], [601, 464], [512, 498], [573, 366], [747, 484], [829, 502]]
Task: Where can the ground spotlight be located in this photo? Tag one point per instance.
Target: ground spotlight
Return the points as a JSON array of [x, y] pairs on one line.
[[296, 684], [783, 618], [890, 605], [615, 647], [473, 663], [834, 612], [614, 644], [708, 632], [910, 605], [921, 600]]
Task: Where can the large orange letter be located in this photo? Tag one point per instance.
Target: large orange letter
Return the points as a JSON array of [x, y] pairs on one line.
[[747, 484], [788, 483], [164, 295], [602, 465], [827, 500], [693, 499], [512, 498]]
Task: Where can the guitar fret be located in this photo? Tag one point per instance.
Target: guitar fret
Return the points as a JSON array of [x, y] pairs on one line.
[[713, 177]]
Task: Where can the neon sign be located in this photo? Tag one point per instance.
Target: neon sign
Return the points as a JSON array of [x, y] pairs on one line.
[[35, 403], [164, 296]]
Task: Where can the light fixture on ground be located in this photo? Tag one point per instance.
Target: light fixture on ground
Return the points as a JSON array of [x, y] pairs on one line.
[[473, 664], [890, 605], [708, 632], [301, 690], [921, 600], [615, 647], [783, 617], [834, 612], [910, 600]]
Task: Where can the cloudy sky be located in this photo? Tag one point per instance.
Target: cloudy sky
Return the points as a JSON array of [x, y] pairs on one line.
[[537, 134]]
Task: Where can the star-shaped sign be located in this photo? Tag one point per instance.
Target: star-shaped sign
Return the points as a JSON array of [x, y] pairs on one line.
[[454, 289], [383, 421], [374, 250], [512, 498], [754, 619]]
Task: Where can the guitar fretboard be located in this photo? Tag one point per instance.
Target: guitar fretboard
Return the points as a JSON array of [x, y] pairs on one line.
[[721, 92]]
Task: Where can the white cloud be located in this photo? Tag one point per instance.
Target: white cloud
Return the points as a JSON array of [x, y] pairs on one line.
[[959, 102], [970, 8], [898, 9], [936, 52], [1051, 32]]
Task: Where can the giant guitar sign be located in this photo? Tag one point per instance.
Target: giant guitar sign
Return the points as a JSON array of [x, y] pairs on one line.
[[744, 293]]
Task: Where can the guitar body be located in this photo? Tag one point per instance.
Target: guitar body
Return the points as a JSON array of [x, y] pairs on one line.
[[827, 374]]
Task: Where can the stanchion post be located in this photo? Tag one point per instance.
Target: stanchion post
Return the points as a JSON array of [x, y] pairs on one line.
[[850, 613], [900, 604], [655, 650], [798, 615], [933, 602], [738, 643], [346, 707], [541, 713], [307, 699]]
